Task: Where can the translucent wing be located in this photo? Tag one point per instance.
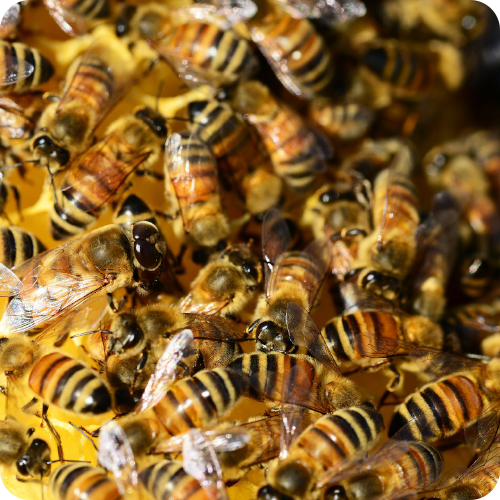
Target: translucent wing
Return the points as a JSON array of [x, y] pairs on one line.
[[69, 22], [215, 327], [356, 298], [234, 11], [200, 461], [10, 284], [165, 374], [11, 18], [331, 12], [275, 241], [188, 306], [115, 454], [15, 74], [304, 333], [319, 253], [481, 435]]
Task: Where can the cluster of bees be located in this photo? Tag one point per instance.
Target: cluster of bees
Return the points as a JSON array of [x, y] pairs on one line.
[[184, 186]]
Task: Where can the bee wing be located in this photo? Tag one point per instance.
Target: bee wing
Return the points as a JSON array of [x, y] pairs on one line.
[[481, 435], [304, 333], [224, 13], [356, 298], [188, 306], [200, 461], [330, 12], [16, 74], [12, 17], [69, 22], [164, 374], [115, 454], [275, 241], [10, 284], [215, 327], [319, 252]]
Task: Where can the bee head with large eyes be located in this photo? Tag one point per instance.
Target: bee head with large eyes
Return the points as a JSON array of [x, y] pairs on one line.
[[127, 335], [242, 257]]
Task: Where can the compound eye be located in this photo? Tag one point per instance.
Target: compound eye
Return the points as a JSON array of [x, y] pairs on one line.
[[144, 230], [43, 142], [134, 336], [61, 156], [250, 271], [336, 493], [328, 196], [22, 465], [146, 254]]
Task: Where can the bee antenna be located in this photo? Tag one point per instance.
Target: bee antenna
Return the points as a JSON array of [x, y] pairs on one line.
[[50, 462], [16, 165], [80, 430], [90, 333]]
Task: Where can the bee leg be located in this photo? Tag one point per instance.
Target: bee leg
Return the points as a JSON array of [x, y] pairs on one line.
[[151, 173], [179, 268], [28, 406], [17, 197], [138, 369], [54, 190], [3, 390], [111, 303], [54, 433]]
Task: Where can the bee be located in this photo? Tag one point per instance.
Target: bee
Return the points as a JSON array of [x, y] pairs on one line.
[[18, 245], [10, 22], [191, 172], [131, 145], [397, 469], [56, 378], [75, 17], [290, 277], [18, 117], [50, 287], [410, 70], [297, 152], [226, 284], [241, 159], [329, 444], [5, 189], [294, 50], [81, 480], [201, 52], [342, 122], [93, 84], [22, 68], [386, 256], [31, 455]]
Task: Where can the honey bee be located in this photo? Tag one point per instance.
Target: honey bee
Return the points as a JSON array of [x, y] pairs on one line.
[[195, 40], [81, 480], [5, 189], [297, 152], [18, 245], [10, 22], [329, 444], [51, 286], [57, 379], [93, 84], [290, 277], [410, 70], [294, 50], [31, 456], [191, 172], [18, 117], [131, 145], [22, 68], [386, 256], [398, 468], [240, 156], [226, 284]]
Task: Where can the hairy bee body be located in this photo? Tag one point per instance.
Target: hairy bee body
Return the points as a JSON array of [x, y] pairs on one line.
[[22, 68], [17, 246], [132, 143], [79, 481]]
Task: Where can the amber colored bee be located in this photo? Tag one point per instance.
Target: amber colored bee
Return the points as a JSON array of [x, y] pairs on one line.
[[226, 284], [291, 276], [80, 480], [191, 172], [297, 152], [201, 52], [294, 49], [18, 245], [397, 468], [31, 456], [329, 444], [93, 84], [22, 68], [131, 145], [51, 286], [56, 378], [241, 159]]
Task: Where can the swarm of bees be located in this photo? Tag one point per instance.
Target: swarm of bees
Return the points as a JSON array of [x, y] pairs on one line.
[[250, 250]]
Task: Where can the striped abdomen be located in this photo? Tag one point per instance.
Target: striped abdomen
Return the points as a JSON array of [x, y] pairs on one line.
[[197, 401], [18, 60], [222, 54], [448, 406], [307, 60], [293, 148], [81, 481], [69, 384], [167, 480], [18, 245], [352, 337], [133, 210], [194, 178], [404, 67], [89, 9]]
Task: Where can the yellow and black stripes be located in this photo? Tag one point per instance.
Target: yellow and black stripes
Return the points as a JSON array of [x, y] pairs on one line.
[[89, 9], [18, 245], [441, 408], [80, 480], [22, 68], [69, 384], [133, 210], [201, 400]]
